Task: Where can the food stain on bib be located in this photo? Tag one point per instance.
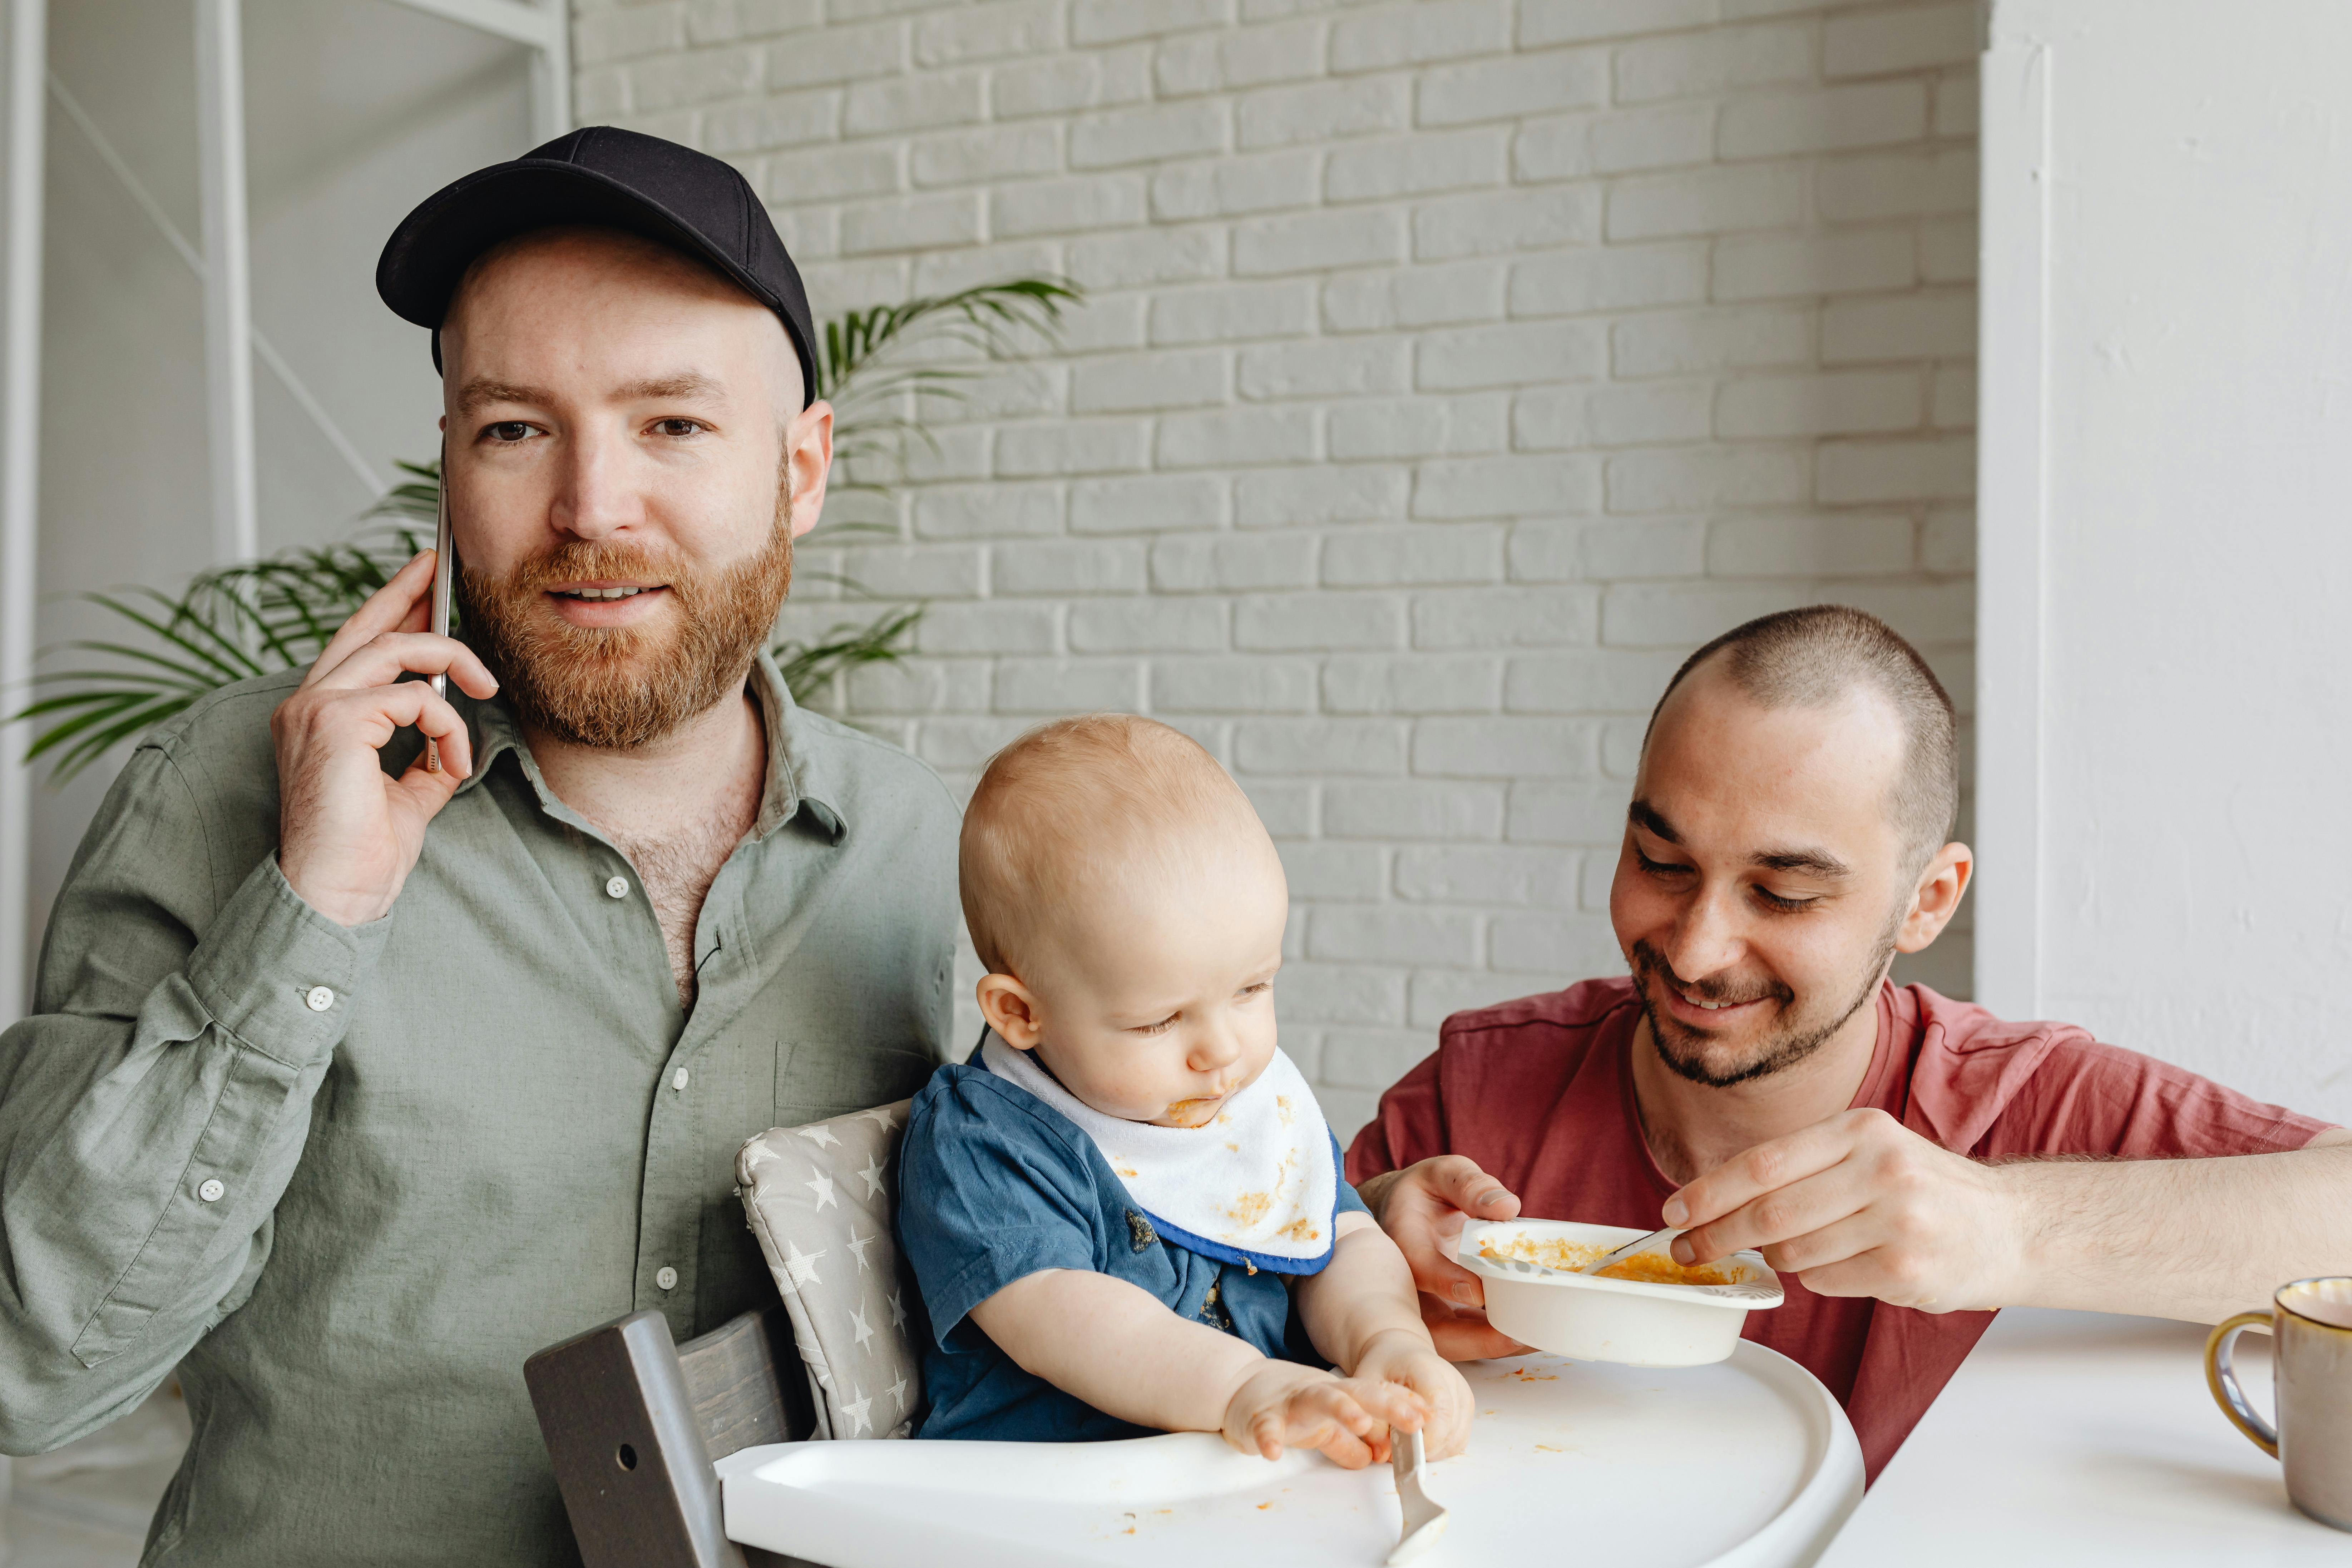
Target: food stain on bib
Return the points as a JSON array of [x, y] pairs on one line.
[[1251, 1208]]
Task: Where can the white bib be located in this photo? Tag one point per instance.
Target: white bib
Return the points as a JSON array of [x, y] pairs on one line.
[[1257, 1185]]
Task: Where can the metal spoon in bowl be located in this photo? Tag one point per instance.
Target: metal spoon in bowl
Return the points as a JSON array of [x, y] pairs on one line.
[[1633, 1248]]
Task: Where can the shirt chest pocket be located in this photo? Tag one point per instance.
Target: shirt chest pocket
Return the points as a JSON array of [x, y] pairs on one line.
[[816, 1079]]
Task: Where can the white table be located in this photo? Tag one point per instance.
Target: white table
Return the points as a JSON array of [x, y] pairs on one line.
[[2078, 1437]]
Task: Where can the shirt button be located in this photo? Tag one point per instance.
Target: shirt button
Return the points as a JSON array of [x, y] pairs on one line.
[[319, 998], [212, 1191], [677, 1078], [618, 888], [666, 1278]]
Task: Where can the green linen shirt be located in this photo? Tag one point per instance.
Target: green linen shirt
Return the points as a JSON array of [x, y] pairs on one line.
[[346, 1181]]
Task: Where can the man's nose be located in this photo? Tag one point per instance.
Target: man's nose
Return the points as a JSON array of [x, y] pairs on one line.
[[595, 497], [1705, 938]]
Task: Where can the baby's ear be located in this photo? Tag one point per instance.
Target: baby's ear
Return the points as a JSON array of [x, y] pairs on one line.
[[1011, 1009]]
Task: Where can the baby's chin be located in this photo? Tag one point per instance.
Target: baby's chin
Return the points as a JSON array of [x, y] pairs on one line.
[[1203, 1112], [1185, 1113], [1191, 1112]]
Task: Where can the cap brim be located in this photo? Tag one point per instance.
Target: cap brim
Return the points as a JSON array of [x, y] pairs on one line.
[[428, 254]]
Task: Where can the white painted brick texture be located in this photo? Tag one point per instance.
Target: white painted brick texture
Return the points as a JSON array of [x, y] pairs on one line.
[[1453, 368]]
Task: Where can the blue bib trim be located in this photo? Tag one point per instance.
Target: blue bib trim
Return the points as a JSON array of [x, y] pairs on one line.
[[1224, 1254]]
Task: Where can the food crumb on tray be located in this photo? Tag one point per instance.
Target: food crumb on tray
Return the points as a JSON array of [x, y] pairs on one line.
[[1647, 1267]]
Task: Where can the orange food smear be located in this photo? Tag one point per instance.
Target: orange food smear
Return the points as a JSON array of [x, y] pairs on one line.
[[1657, 1268], [1648, 1268]]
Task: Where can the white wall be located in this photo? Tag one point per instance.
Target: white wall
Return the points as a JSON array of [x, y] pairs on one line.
[[2166, 560], [356, 109], [1454, 368]]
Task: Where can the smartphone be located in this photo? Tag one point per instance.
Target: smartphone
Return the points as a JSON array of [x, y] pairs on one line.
[[444, 557]]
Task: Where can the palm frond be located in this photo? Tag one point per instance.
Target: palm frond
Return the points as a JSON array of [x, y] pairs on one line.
[[808, 666], [419, 498], [228, 625], [106, 719], [999, 320]]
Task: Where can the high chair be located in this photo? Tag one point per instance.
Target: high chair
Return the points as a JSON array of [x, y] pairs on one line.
[[657, 1447]]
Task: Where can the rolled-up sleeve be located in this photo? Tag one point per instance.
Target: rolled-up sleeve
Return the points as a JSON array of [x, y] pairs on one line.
[[986, 1200], [154, 1107]]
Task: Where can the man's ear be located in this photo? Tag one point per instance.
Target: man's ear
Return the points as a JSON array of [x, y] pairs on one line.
[[1937, 899], [808, 461], [1011, 1009]]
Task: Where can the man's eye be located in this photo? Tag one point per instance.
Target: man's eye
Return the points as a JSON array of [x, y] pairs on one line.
[[1772, 900], [509, 431], [678, 426], [1660, 867]]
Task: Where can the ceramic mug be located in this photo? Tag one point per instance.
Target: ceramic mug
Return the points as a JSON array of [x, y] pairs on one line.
[[2311, 1323]]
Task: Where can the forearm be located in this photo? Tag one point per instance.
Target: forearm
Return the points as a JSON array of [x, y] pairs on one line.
[[142, 1156], [1118, 1348], [2192, 1239], [1365, 1290]]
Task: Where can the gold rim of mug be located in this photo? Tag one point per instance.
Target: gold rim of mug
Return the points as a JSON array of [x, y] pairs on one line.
[[2278, 1300]]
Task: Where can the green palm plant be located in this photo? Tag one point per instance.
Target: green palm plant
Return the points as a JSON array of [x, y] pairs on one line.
[[257, 616]]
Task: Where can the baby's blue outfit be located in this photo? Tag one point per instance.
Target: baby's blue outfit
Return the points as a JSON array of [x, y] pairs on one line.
[[996, 1186]]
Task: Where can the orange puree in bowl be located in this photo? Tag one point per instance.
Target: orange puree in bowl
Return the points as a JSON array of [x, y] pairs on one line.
[[1657, 1268], [1649, 1267]]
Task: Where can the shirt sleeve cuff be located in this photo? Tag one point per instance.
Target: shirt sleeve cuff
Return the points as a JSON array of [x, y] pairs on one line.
[[276, 973]]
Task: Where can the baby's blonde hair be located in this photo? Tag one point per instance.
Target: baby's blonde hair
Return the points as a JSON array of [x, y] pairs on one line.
[[1079, 803]]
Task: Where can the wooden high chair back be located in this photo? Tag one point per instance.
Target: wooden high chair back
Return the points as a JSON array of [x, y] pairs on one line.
[[634, 1424]]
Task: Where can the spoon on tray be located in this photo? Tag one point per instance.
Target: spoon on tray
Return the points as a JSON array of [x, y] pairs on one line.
[[1425, 1521], [1634, 1248]]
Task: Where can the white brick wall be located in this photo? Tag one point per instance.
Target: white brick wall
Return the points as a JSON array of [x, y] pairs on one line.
[[1453, 368]]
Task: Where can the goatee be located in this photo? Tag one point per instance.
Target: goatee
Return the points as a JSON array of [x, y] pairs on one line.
[[1684, 1049]]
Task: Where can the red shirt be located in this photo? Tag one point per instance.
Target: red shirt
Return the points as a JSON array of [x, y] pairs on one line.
[[1540, 1093]]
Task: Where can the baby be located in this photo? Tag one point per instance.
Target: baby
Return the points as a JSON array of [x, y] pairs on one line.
[[1127, 1213]]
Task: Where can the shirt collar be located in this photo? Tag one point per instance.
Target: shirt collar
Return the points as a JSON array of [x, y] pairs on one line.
[[800, 782]]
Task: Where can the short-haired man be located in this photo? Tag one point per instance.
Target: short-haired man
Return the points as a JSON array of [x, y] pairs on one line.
[[351, 1083], [1897, 1156]]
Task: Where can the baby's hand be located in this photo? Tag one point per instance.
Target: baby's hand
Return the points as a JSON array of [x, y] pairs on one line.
[[1348, 1418], [1396, 1356]]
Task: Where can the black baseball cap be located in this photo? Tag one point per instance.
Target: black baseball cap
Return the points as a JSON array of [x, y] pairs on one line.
[[613, 178]]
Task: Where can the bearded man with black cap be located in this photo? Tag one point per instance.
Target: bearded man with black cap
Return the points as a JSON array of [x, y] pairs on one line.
[[351, 1080]]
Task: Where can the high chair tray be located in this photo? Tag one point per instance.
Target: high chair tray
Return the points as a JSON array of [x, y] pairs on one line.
[[1749, 1463]]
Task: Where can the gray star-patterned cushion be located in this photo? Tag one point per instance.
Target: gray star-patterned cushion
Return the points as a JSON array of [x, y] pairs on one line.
[[820, 1200]]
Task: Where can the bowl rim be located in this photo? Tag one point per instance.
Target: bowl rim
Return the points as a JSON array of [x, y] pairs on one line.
[[1754, 1294]]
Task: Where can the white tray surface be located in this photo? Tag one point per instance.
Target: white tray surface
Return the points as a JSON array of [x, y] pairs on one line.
[[1748, 1462]]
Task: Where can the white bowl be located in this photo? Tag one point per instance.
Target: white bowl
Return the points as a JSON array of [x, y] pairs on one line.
[[1630, 1322]]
